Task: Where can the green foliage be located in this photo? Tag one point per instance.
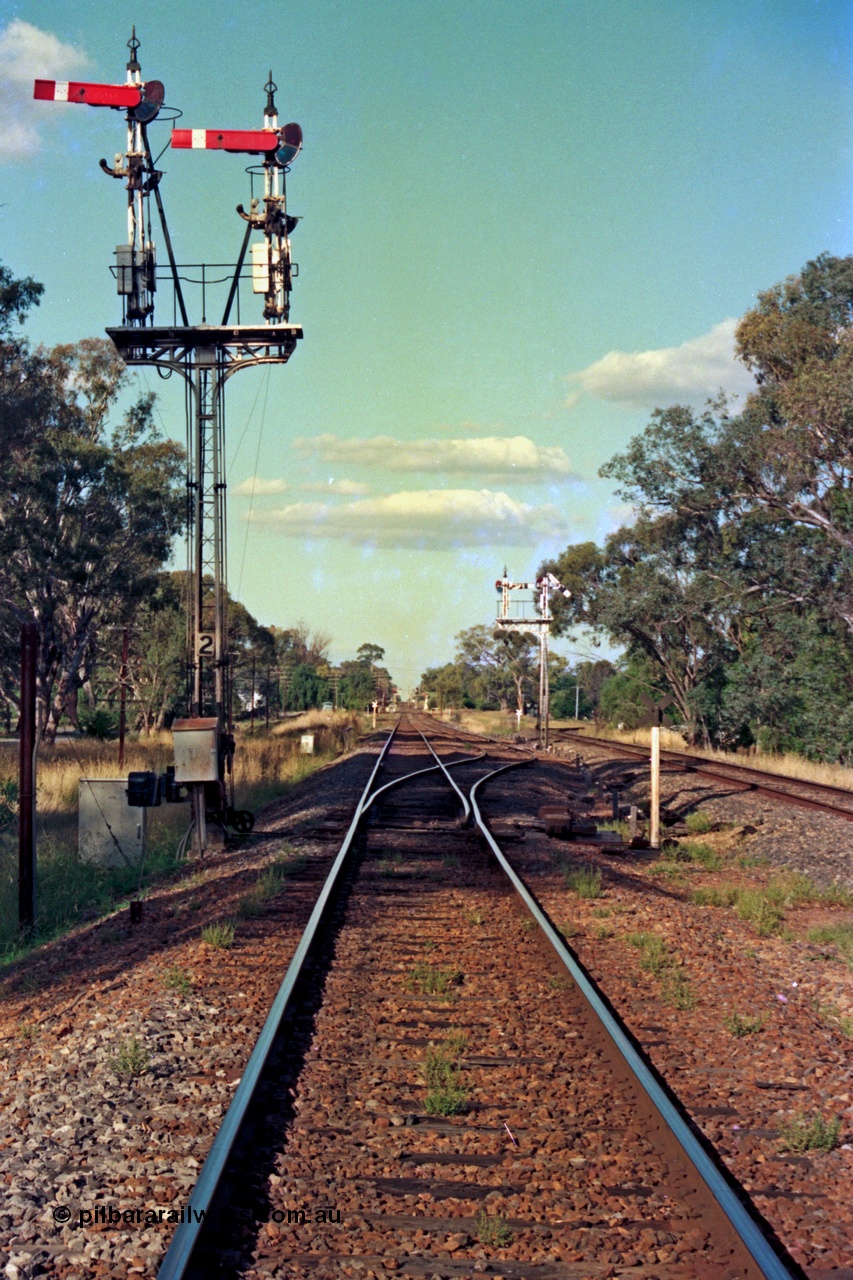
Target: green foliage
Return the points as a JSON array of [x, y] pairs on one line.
[[8, 802], [755, 907], [656, 959], [744, 1024], [306, 689], [835, 935], [699, 823], [220, 935], [809, 1133], [720, 896], [89, 507], [432, 980], [442, 1072], [734, 580], [178, 980], [693, 851], [98, 722], [584, 881], [131, 1059], [493, 1230], [71, 891]]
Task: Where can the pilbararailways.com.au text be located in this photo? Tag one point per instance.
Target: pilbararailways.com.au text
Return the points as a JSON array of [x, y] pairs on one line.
[[110, 1216]]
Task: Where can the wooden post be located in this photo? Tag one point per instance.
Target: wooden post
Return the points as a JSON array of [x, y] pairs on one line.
[[252, 713], [27, 780], [654, 809]]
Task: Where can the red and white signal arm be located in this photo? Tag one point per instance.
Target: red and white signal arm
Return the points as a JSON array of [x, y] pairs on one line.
[[246, 140], [94, 95]]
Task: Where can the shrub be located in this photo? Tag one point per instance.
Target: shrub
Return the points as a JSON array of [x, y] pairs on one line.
[[131, 1060], [835, 935], [431, 980], [739, 1024], [441, 1069], [219, 935], [493, 1230], [724, 895], [177, 979], [809, 1133], [698, 823], [98, 722]]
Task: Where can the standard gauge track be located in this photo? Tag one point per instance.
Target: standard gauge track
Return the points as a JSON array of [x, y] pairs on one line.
[[441, 1090], [808, 795]]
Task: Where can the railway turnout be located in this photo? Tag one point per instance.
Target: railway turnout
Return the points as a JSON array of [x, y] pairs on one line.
[[441, 1090]]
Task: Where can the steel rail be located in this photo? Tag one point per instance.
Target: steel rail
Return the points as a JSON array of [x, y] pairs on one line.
[[179, 1254], [771, 1265], [432, 768], [466, 808], [698, 764]]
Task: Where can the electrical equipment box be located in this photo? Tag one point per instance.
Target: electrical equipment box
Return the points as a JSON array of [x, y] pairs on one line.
[[110, 833], [196, 749]]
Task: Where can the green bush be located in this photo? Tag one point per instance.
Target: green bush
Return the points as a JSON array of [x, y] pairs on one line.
[[584, 881], [98, 722]]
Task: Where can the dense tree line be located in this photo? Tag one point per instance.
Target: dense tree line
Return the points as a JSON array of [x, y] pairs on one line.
[[732, 588], [88, 507], [91, 503], [495, 670]]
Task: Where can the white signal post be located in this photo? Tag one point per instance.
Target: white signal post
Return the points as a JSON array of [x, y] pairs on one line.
[[205, 355], [540, 626]]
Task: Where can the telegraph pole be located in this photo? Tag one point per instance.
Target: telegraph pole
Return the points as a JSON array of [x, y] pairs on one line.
[[27, 780]]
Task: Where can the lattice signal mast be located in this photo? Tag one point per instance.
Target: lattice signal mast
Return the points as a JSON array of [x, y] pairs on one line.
[[539, 625], [205, 355]]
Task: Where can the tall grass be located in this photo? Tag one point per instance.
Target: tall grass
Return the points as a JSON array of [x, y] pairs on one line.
[[786, 763], [70, 891]]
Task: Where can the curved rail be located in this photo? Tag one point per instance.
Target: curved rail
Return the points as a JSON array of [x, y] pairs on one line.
[[417, 773], [179, 1253], [466, 808], [762, 1251]]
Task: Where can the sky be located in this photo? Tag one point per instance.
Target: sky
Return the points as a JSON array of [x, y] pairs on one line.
[[522, 228]]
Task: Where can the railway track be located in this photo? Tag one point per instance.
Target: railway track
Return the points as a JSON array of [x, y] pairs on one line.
[[808, 795], [435, 1092]]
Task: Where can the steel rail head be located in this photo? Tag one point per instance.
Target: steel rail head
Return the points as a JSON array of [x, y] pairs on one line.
[[432, 768], [463, 799], [179, 1254], [769, 1262]]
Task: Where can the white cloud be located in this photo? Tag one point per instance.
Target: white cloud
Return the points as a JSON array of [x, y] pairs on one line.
[[428, 519], [27, 54], [348, 488], [689, 374], [503, 457], [255, 486]]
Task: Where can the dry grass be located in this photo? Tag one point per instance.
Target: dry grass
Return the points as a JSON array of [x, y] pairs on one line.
[[314, 720], [265, 765], [785, 763]]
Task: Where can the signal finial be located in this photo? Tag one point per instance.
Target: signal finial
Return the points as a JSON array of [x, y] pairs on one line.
[[133, 46], [270, 87]]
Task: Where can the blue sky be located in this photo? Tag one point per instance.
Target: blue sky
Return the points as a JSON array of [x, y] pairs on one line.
[[523, 227]]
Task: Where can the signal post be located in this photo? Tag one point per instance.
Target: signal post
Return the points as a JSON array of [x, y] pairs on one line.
[[205, 355]]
